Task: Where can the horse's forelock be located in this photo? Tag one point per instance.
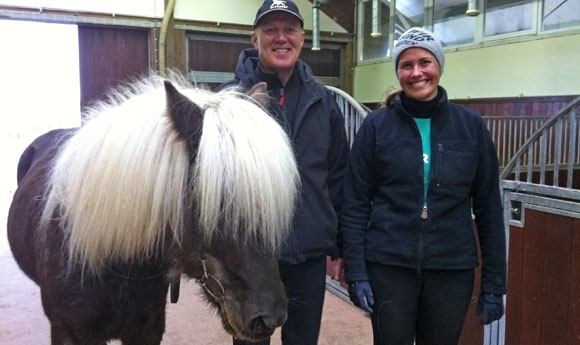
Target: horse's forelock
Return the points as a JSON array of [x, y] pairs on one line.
[[245, 172]]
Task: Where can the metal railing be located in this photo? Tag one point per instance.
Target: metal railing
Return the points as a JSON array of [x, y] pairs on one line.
[[509, 133], [551, 152], [354, 112]]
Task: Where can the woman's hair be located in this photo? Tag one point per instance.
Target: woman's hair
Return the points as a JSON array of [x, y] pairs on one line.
[[389, 96]]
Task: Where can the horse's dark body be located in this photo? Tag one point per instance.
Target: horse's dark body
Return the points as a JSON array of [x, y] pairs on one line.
[[126, 300]]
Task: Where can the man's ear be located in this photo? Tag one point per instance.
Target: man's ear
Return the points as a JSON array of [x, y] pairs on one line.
[[254, 39]]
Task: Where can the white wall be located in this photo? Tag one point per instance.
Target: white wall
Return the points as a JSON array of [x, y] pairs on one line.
[[38, 94], [141, 8], [213, 11]]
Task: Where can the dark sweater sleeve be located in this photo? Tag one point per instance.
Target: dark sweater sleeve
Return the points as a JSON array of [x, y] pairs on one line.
[[337, 160], [358, 190], [488, 211]]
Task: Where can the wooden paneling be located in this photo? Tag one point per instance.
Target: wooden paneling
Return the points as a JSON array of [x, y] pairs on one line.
[[543, 285], [325, 62], [220, 53], [515, 285], [215, 55], [175, 52], [530, 106], [109, 56], [573, 334]]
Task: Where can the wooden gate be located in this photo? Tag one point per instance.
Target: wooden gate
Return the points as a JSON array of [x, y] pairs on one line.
[[541, 194]]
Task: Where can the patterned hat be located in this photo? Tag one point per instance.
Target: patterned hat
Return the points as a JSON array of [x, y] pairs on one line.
[[419, 38], [270, 6]]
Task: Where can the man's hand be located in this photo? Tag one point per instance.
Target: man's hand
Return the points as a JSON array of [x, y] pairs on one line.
[[336, 269]]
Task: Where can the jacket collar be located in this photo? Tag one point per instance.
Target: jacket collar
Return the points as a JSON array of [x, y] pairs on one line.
[[437, 110]]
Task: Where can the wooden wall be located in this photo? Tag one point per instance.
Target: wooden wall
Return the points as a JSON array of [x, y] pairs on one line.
[[109, 56], [527, 106], [543, 299]]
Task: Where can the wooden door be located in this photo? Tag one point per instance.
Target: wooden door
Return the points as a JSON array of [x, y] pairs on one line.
[[543, 299], [109, 56]]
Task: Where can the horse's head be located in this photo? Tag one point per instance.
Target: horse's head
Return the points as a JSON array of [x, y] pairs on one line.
[[243, 284], [244, 183]]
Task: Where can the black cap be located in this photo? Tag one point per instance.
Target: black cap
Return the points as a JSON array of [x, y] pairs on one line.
[[270, 6]]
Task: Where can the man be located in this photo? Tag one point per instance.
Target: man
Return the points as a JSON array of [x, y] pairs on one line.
[[313, 121]]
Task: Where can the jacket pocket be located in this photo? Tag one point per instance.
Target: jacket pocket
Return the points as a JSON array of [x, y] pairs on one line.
[[456, 165]]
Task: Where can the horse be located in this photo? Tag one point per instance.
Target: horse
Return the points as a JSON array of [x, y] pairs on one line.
[[162, 181]]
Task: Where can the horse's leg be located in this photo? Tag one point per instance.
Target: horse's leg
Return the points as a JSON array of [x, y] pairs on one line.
[[147, 325], [149, 333], [60, 336]]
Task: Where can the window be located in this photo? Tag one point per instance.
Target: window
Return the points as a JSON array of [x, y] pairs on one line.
[[451, 24], [558, 14], [505, 16], [409, 13], [371, 45], [498, 20]]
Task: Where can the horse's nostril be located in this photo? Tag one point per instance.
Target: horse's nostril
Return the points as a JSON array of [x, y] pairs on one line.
[[259, 326], [263, 324]]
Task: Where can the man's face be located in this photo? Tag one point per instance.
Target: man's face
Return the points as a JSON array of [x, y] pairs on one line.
[[279, 39]]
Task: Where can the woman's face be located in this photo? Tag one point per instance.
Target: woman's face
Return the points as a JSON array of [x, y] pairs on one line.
[[418, 73]]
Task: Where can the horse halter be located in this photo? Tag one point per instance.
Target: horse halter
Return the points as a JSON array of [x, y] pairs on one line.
[[203, 282]]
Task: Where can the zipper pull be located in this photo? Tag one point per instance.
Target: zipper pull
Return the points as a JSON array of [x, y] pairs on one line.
[[424, 214], [282, 97]]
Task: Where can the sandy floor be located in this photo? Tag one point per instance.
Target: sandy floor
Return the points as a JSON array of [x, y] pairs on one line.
[[191, 321]]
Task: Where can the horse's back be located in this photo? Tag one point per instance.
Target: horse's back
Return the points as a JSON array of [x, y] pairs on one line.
[[39, 148], [27, 203]]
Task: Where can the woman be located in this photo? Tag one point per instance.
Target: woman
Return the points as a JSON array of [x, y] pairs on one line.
[[418, 169]]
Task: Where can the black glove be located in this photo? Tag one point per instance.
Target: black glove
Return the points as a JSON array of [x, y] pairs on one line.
[[361, 295], [489, 307]]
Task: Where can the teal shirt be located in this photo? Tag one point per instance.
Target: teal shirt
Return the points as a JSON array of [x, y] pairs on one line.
[[424, 125]]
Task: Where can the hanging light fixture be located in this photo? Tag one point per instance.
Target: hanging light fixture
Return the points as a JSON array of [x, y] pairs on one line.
[[376, 26], [316, 25], [472, 8]]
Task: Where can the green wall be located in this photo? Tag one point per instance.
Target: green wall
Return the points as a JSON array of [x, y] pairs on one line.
[[549, 66]]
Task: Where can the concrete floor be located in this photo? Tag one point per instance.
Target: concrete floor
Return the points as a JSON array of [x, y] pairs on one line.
[[191, 321]]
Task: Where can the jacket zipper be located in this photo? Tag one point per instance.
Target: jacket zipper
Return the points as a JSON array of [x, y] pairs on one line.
[[282, 97], [424, 217], [424, 214]]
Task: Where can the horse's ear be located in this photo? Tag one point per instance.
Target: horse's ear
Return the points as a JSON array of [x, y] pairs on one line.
[[259, 93], [186, 116]]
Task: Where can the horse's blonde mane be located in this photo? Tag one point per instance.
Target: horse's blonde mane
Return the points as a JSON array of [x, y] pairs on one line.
[[125, 177]]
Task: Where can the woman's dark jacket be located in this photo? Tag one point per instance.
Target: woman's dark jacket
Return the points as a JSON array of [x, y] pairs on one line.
[[384, 195], [315, 125]]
